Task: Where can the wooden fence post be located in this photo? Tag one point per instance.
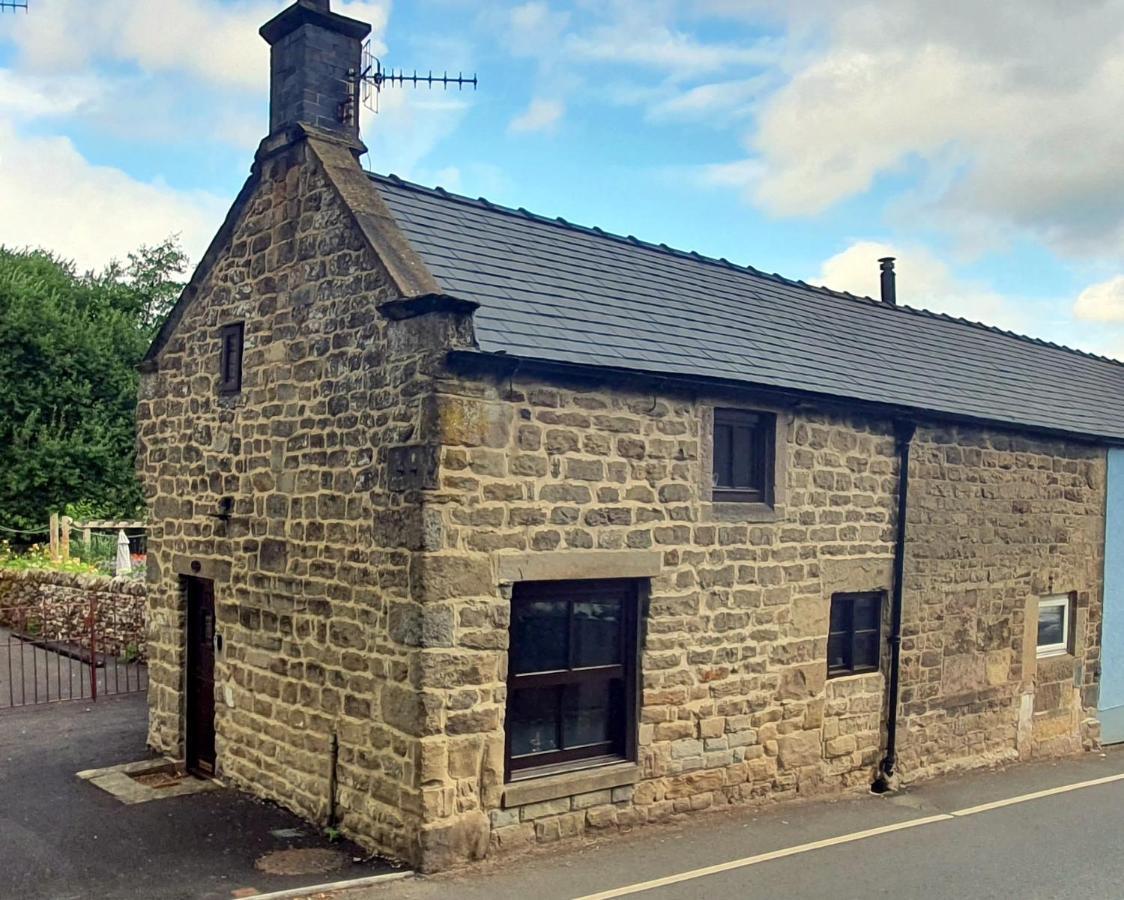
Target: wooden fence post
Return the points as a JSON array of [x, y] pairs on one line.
[[54, 526], [64, 537]]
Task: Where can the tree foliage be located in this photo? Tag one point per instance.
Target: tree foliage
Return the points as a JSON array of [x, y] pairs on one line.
[[69, 348]]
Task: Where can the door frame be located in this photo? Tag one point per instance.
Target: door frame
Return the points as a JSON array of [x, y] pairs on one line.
[[198, 744]]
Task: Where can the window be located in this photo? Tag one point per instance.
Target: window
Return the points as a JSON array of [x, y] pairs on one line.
[[571, 698], [743, 456], [1053, 625], [854, 640], [230, 358]]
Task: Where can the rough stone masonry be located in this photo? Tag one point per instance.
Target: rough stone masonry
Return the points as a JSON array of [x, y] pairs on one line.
[[380, 615], [384, 499]]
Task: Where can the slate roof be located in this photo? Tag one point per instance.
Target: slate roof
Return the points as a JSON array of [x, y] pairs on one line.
[[554, 291]]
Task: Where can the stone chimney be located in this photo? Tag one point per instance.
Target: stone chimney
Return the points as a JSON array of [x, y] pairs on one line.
[[314, 60]]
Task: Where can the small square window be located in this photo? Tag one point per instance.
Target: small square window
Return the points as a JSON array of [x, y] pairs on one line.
[[854, 640], [743, 456], [1054, 625], [230, 358], [571, 675]]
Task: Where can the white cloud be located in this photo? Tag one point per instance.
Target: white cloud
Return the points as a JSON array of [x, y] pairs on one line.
[[409, 124], [36, 97], [1102, 302], [51, 197], [534, 28], [213, 41], [923, 281], [653, 45], [541, 115], [719, 100], [1015, 104]]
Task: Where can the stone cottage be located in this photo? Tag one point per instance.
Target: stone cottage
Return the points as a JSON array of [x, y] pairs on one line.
[[474, 529]]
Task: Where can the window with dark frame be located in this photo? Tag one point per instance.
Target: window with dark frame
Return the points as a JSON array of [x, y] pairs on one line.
[[854, 640], [572, 664], [230, 358], [743, 456]]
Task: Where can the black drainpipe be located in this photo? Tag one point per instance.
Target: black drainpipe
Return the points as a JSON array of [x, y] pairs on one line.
[[333, 766], [903, 431]]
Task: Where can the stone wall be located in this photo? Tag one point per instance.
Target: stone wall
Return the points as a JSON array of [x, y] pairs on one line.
[[56, 606], [996, 522], [312, 565], [735, 703]]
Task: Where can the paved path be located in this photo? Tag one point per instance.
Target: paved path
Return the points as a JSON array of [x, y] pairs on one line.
[[30, 674], [63, 839], [932, 842]]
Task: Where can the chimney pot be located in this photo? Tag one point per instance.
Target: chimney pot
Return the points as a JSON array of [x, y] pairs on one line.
[[889, 286]]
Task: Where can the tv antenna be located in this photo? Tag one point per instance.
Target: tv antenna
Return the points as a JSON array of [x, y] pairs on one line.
[[373, 77], [13, 5]]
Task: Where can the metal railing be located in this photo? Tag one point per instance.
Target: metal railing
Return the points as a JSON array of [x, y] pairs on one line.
[[58, 650]]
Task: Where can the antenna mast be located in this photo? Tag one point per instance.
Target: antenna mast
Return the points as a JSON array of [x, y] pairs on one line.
[[13, 5], [373, 77]]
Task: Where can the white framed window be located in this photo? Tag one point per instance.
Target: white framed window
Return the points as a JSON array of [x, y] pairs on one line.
[[1054, 621]]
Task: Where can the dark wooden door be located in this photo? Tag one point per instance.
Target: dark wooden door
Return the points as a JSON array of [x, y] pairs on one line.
[[200, 735]]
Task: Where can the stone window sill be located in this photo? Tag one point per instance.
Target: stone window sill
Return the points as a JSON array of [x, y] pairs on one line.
[[567, 784], [854, 676], [742, 512]]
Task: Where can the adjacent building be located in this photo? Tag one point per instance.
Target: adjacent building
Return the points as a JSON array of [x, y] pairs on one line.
[[474, 529]]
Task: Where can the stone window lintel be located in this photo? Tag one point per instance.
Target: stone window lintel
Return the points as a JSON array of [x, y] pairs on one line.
[[577, 564]]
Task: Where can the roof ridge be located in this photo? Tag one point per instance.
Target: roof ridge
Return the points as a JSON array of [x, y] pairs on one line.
[[559, 222]]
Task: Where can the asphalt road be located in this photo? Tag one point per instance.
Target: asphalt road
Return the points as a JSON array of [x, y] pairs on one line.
[[61, 838], [1063, 845]]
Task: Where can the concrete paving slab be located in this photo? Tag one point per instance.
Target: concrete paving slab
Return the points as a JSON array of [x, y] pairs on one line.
[[121, 782]]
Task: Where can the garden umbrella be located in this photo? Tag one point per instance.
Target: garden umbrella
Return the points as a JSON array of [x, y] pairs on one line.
[[124, 561]]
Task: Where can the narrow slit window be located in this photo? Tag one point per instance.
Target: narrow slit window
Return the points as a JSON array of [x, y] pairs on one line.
[[743, 456], [854, 640], [230, 358]]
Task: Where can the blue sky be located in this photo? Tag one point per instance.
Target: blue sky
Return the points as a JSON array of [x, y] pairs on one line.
[[981, 146]]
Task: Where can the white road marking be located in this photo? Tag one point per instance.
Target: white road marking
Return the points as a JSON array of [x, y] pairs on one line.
[[742, 863], [763, 857], [1023, 798]]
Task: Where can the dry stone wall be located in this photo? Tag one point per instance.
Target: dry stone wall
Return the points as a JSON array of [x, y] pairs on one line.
[[56, 606]]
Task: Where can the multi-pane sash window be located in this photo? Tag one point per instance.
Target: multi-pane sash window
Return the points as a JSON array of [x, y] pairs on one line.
[[743, 455], [1054, 615], [571, 675], [854, 637], [230, 358]]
